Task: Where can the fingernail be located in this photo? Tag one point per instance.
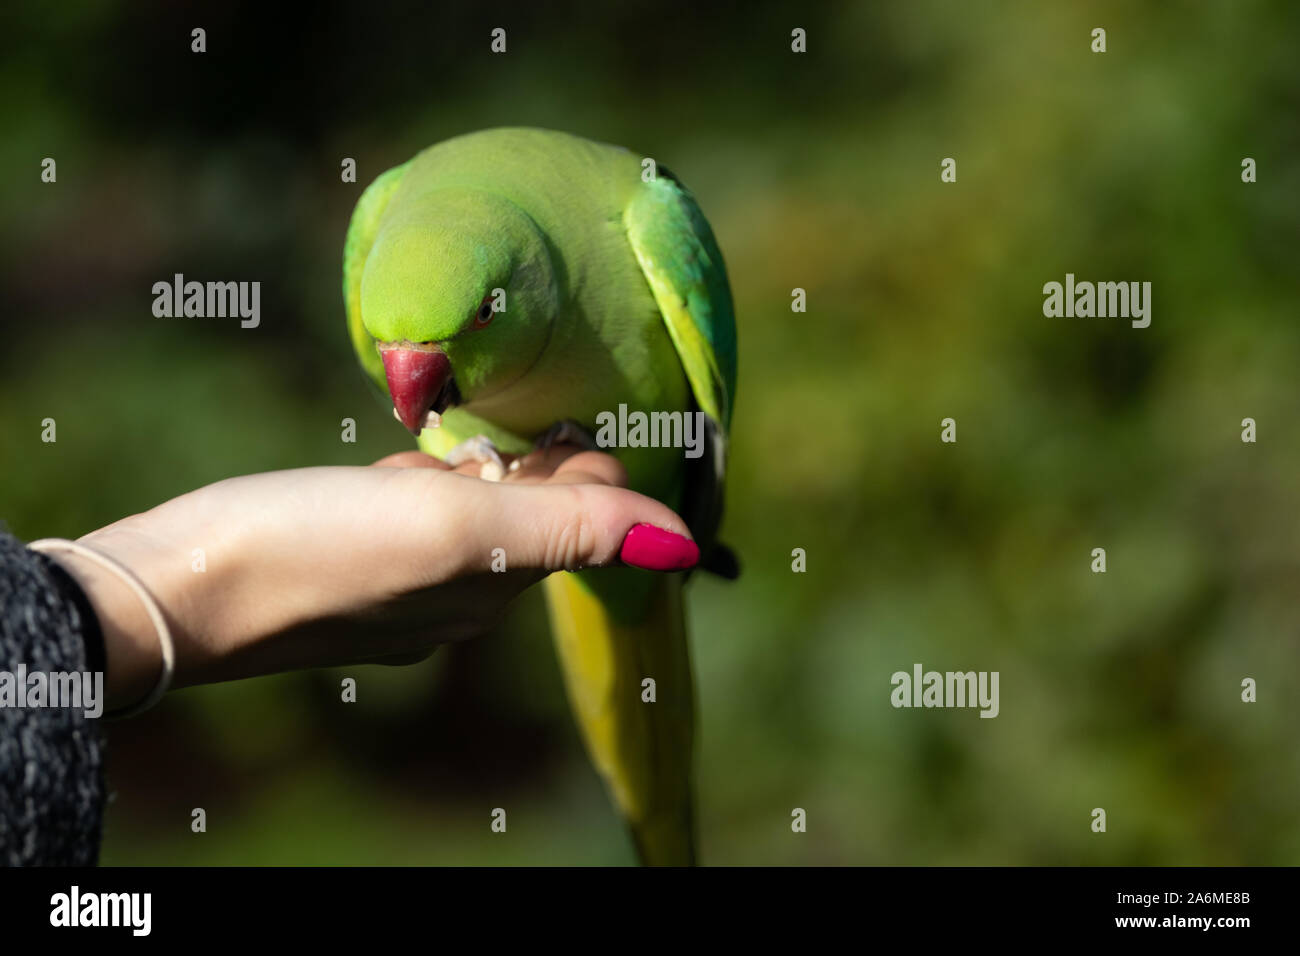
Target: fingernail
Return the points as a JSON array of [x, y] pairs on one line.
[[654, 549]]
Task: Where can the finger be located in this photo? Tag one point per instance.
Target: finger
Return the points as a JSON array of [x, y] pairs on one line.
[[539, 464], [411, 459], [402, 659], [418, 459], [472, 468], [591, 466], [568, 464], [554, 527]]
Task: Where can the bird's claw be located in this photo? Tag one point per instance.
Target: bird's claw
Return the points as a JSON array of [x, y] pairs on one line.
[[481, 449], [566, 432]]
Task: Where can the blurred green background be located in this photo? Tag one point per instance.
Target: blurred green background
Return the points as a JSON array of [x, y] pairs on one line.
[[818, 171]]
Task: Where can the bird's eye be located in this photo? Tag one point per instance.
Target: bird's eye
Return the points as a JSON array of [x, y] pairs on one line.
[[484, 314]]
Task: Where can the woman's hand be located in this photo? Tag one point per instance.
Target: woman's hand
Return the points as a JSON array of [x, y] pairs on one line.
[[324, 566]]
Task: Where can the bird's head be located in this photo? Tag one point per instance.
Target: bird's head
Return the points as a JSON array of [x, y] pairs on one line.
[[458, 293]]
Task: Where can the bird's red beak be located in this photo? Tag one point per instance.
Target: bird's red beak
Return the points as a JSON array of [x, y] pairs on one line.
[[419, 379]]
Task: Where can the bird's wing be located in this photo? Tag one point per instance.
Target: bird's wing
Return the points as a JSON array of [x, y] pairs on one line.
[[683, 266]]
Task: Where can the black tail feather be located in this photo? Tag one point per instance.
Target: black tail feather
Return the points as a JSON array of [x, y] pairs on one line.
[[722, 561]]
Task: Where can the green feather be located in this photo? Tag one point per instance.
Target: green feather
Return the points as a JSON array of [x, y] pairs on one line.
[[356, 248], [681, 260], [616, 293]]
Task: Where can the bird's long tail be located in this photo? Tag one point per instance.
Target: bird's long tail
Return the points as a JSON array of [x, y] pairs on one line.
[[621, 639]]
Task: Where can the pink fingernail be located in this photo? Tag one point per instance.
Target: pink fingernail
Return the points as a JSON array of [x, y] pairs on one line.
[[655, 549]]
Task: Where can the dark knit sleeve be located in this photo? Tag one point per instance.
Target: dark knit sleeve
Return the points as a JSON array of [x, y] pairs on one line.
[[51, 773]]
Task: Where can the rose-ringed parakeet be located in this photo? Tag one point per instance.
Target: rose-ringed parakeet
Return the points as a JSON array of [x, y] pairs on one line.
[[516, 283]]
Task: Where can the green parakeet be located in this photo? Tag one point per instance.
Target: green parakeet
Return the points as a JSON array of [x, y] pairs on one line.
[[512, 279]]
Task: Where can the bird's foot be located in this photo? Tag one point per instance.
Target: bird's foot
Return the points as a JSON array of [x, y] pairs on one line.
[[480, 449], [567, 432]]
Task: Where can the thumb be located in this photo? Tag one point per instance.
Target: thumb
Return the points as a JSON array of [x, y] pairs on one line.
[[565, 527]]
